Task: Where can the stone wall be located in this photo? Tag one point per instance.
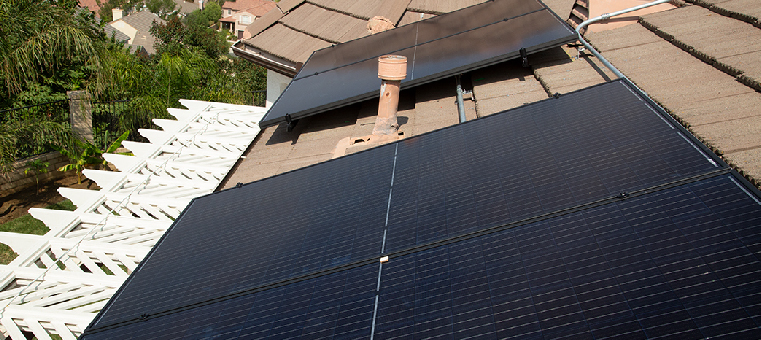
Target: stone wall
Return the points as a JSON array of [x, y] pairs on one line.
[[16, 180]]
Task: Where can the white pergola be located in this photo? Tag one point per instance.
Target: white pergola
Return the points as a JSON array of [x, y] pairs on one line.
[[60, 280]]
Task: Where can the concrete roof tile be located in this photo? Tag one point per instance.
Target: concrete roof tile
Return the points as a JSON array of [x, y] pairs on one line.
[[287, 43], [627, 36], [732, 135], [747, 160], [494, 105], [722, 109], [327, 25], [708, 32], [410, 17], [561, 7]]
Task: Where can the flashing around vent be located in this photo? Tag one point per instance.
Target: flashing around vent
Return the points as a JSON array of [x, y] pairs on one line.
[[60, 280]]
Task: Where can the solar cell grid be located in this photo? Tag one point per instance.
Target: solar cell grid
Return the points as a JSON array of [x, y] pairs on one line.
[[335, 306], [681, 260], [537, 159], [591, 273], [270, 240]]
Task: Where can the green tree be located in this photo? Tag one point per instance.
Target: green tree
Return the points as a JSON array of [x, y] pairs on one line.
[[161, 7], [46, 48]]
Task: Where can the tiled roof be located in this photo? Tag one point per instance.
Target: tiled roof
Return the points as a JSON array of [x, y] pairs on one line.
[[332, 22], [255, 7], [92, 5], [338, 21], [703, 64], [141, 21]]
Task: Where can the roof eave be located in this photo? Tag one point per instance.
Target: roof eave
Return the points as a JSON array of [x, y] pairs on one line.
[[266, 60]]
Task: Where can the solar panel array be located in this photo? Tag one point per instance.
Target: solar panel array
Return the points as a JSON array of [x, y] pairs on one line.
[[600, 220], [436, 48]]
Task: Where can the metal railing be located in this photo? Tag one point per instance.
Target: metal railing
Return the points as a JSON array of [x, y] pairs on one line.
[[57, 111], [259, 98]]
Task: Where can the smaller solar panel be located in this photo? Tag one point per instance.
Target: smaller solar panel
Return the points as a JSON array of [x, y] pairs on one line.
[[442, 46]]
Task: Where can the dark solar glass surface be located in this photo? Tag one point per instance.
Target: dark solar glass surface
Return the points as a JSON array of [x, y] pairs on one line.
[[308, 220], [533, 160], [529, 161], [417, 33], [680, 263], [439, 47], [335, 306]]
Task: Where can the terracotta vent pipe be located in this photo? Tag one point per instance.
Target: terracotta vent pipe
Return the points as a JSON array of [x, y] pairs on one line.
[[392, 69]]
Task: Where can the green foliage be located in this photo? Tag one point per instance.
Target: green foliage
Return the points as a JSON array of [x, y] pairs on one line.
[[40, 38], [86, 154], [174, 37], [49, 48], [36, 168], [127, 6], [160, 7]]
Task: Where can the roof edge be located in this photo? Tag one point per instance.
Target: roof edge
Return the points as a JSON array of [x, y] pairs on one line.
[[264, 59]]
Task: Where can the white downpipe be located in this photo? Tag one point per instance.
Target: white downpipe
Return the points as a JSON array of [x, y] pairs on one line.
[[605, 17]]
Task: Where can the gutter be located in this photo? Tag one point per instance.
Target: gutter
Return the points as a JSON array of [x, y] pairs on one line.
[[605, 17], [267, 61]]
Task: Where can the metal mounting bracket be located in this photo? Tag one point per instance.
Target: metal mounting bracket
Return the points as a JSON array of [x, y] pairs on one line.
[[524, 56]]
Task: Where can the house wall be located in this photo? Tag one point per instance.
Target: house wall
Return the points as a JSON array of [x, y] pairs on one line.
[[16, 180], [276, 84]]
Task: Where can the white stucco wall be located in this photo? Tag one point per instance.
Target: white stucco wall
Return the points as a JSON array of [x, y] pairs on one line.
[[276, 84]]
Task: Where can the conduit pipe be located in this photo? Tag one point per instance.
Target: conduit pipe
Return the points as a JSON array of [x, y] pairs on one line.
[[605, 17], [460, 103]]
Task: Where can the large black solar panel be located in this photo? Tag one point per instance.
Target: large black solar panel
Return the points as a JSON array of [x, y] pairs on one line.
[[442, 46], [537, 159], [284, 227], [669, 264], [602, 167]]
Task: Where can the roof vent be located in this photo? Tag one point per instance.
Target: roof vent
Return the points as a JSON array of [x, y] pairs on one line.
[[391, 70]]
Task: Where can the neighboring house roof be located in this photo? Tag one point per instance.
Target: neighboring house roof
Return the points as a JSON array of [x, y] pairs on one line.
[[136, 26], [117, 34], [92, 5], [256, 7]]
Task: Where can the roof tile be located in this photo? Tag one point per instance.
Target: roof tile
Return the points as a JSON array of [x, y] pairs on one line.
[[287, 5], [561, 7], [264, 22], [410, 17], [287, 43], [327, 25]]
